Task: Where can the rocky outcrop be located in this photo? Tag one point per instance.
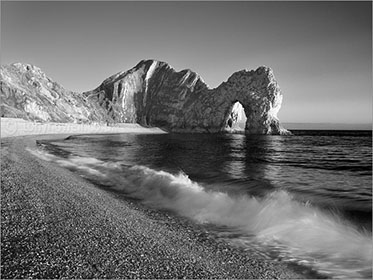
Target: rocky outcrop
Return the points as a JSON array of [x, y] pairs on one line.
[[151, 94], [26, 92], [154, 94]]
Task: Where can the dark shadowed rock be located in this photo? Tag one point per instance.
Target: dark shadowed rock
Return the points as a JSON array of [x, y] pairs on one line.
[[151, 94]]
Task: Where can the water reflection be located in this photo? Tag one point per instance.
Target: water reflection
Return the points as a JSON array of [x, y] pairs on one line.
[[254, 165], [275, 153]]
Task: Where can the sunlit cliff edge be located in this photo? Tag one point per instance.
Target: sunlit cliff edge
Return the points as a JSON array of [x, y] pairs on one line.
[[151, 94]]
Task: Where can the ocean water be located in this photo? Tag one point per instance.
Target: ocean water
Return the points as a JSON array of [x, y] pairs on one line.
[[305, 198]]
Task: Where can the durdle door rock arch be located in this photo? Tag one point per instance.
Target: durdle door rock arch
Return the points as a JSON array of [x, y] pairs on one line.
[[152, 94]]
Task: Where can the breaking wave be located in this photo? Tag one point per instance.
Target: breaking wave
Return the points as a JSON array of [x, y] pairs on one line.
[[297, 231]]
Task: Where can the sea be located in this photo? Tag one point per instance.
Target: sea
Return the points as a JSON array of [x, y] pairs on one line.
[[304, 199]]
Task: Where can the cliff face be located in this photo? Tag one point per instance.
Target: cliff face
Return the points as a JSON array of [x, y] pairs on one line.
[[151, 94], [154, 94], [26, 92]]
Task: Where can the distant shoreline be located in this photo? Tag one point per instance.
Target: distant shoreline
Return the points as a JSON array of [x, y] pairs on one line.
[[327, 126], [12, 127]]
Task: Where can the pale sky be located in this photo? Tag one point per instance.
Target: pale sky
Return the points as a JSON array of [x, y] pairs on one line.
[[320, 52]]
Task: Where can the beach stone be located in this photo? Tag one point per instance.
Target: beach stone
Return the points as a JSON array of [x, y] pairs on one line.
[[152, 94]]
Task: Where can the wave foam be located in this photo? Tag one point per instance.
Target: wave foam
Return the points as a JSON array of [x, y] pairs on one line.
[[303, 233]]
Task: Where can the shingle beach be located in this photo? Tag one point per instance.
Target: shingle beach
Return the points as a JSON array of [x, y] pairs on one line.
[[55, 224]]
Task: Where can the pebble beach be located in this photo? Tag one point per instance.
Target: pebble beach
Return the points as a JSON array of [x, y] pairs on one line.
[[55, 224]]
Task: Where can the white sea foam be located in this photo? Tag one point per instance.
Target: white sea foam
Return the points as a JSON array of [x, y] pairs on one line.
[[300, 232]]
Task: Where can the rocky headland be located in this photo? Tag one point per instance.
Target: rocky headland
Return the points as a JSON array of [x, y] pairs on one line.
[[151, 94]]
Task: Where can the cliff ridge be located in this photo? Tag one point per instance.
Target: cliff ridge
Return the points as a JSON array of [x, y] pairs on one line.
[[152, 94]]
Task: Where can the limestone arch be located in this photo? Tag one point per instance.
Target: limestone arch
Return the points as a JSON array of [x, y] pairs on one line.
[[235, 118]]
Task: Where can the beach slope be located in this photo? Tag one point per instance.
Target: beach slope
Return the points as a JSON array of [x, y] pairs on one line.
[[55, 224]]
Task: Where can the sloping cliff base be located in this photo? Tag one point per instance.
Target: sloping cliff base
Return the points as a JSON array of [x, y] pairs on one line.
[[55, 224], [152, 94]]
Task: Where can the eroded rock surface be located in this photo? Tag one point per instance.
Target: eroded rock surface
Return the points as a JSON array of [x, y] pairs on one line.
[[154, 94], [151, 94], [26, 92]]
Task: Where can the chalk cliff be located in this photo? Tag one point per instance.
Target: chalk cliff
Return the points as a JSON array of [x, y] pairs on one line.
[[26, 92], [151, 94]]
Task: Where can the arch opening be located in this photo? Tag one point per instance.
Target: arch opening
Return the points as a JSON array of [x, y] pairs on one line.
[[236, 119]]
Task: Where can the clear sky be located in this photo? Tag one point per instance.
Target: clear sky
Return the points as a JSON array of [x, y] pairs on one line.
[[321, 52]]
